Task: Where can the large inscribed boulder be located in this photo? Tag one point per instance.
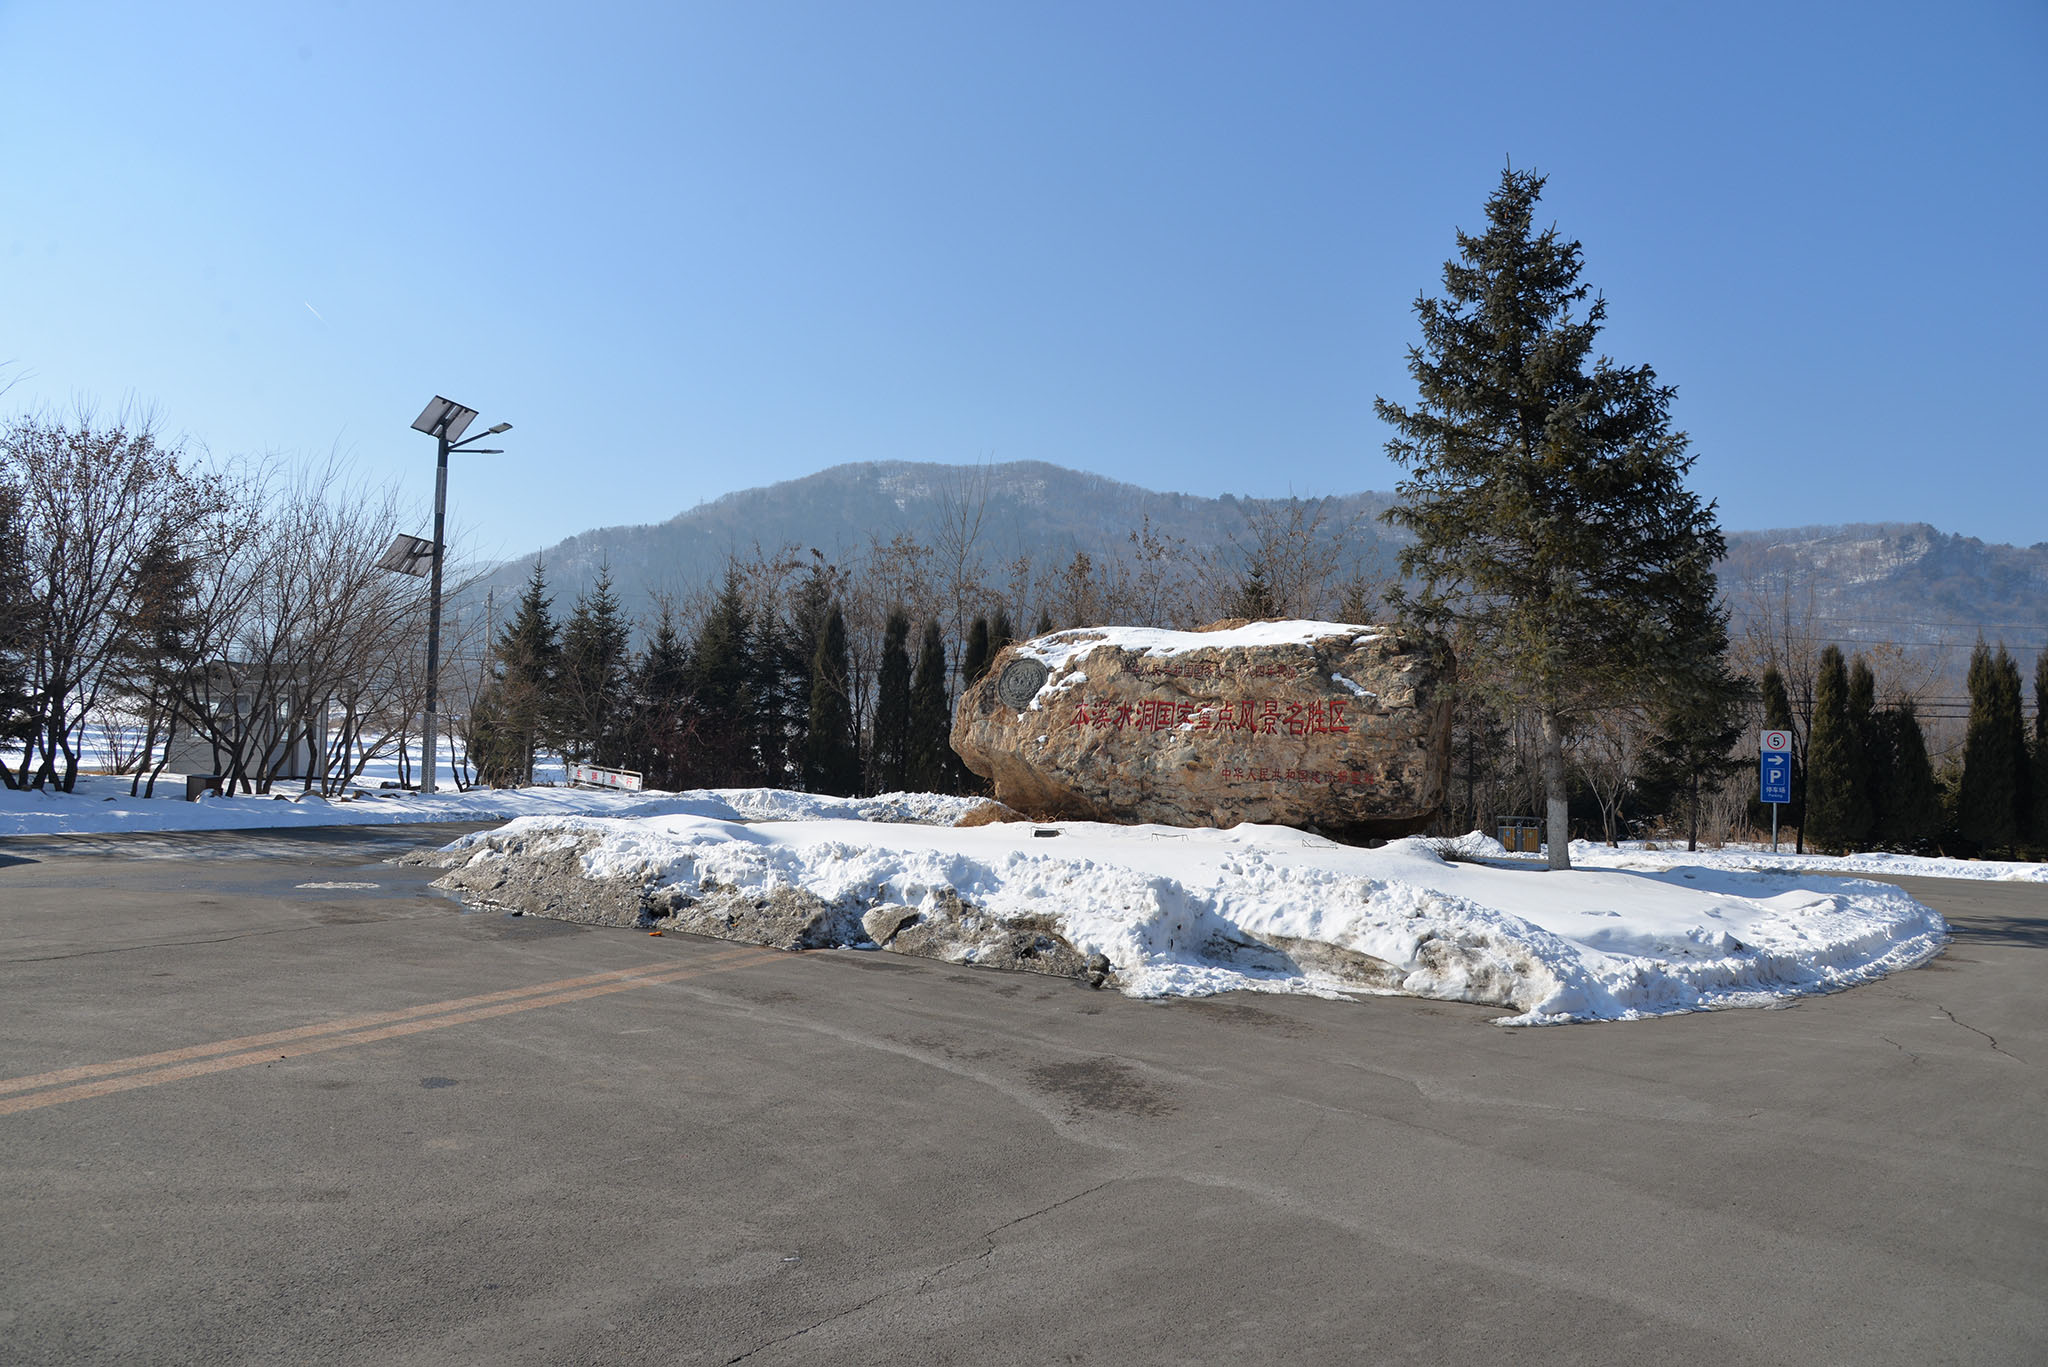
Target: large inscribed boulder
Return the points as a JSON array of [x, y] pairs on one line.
[[1333, 727]]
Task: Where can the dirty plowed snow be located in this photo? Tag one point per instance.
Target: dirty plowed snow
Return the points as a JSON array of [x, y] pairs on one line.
[[1190, 912]]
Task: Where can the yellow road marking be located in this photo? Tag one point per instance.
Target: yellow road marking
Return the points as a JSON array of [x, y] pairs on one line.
[[126, 1065], [49, 1079], [172, 1065]]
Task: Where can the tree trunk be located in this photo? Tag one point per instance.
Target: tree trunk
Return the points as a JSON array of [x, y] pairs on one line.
[[68, 782], [1556, 795], [1799, 794], [170, 739], [1692, 839], [149, 737]]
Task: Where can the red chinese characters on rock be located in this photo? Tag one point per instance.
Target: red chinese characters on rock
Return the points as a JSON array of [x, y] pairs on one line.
[[1179, 669], [1259, 716], [1209, 669], [1335, 777]]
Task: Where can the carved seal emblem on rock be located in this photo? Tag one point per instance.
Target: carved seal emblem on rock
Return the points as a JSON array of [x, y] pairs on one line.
[[1019, 682], [1328, 726]]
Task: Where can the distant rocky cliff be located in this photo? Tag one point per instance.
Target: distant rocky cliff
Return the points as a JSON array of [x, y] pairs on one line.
[[1895, 581]]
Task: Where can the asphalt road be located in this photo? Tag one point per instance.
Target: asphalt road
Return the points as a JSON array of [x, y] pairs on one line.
[[269, 1100]]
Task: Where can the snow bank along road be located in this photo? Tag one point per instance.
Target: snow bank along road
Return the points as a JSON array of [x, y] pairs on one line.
[[1188, 912], [292, 1108]]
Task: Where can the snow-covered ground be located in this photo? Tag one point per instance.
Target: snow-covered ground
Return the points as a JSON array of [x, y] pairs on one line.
[[102, 804], [1638, 854], [1268, 908]]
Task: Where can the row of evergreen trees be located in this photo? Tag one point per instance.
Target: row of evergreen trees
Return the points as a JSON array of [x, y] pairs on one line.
[[1865, 781], [1862, 778], [765, 698], [2001, 798], [756, 698]]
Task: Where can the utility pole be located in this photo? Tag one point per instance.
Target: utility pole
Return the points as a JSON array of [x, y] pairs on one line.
[[445, 421]]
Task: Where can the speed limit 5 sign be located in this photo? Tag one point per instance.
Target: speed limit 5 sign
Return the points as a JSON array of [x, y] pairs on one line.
[[1777, 742]]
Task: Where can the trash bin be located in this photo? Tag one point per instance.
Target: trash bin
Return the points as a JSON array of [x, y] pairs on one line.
[[195, 784], [1521, 835]]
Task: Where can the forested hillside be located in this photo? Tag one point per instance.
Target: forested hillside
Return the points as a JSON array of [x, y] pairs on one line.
[[1907, 583], [1024, 508]]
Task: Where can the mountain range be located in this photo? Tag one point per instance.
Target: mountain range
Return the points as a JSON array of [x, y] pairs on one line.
[[1902, 582]]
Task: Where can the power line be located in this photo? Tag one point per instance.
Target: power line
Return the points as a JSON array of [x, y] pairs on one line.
[[1893, 641], [1930, 624]]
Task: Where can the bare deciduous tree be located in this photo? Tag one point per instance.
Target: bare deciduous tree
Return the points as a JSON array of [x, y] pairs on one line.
[[1608, 754], [91, 495], [1295, 547], [956, 553]]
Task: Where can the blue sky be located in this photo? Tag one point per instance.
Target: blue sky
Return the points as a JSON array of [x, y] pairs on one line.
[[691, 248]]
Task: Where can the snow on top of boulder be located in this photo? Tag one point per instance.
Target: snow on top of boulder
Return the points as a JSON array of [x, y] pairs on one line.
[[1057, 649]]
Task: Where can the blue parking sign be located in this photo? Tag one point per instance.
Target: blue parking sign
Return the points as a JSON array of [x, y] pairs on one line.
[[1774, 778]]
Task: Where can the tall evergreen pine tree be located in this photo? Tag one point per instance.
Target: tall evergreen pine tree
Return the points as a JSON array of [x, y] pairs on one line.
[[591, 712], [2040, 756], [2012, 708], [1992, 797], [517, 704], [1000, 633], [779, 684], [974, 660], [1700, 716], [787, 651], [931, 718], [1910, 802], [892, 707], [1837, 807], [811, 602], [831, 748], [1873, 761], [661, 690], [725, 752], [1546, 492], [2014, 692], [1254, 596]]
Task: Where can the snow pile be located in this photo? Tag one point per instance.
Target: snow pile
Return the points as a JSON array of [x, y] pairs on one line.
[[1191, 912], [102, 804]]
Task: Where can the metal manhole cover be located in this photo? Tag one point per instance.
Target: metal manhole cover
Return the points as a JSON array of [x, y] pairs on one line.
[[1020, 683]]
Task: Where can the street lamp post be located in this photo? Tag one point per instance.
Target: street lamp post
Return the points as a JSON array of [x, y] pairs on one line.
[[445, 421]]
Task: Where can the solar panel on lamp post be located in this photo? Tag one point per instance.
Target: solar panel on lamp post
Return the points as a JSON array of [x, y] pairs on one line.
[[445, 421]]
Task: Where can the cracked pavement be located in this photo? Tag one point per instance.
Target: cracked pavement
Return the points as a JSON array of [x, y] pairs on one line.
[[548, 1143]]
